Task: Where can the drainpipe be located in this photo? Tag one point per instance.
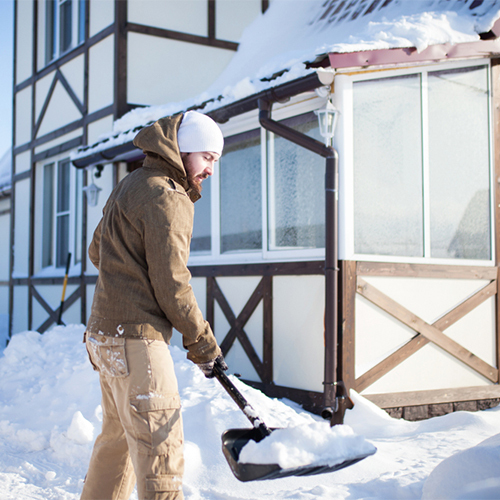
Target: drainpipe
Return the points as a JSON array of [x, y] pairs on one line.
[[335, 397]]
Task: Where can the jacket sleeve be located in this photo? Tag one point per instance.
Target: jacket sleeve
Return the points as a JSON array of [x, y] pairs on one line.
[[95, 245], [167, 236]]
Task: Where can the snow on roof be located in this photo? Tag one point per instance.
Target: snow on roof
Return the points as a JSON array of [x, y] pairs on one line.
[[293, 33], [5, 170]]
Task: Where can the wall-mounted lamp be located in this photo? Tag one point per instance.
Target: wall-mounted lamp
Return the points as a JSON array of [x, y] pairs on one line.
[[327, 117], [92, 190], [327, 120]]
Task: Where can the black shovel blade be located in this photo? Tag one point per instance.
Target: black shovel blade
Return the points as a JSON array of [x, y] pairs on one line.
[[233, 440]]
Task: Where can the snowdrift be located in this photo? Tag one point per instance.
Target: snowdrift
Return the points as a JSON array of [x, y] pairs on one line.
[[50, 415]]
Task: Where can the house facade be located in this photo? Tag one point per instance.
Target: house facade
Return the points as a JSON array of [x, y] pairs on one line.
[[376, 274], [79, 65]]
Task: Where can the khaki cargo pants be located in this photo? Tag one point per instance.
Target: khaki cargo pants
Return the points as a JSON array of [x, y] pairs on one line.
[[141, 436]]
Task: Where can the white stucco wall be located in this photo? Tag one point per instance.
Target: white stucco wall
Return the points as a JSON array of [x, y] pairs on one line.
[[102, 14], [24, 40], [101, 74], [22, 162], [20, 307], [61, 111], [233, 16], [185, 16], [298, 331], [73, 71], [4, 240], [378, 334], [160, 70], [22, 110], [21, 231]]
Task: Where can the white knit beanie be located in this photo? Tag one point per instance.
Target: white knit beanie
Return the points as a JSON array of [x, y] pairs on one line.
[[199, 133]]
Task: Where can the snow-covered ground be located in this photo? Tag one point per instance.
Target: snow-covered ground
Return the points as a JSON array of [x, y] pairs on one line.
[[50, 415]]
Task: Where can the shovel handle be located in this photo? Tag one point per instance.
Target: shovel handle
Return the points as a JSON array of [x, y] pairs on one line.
[[240, 400]]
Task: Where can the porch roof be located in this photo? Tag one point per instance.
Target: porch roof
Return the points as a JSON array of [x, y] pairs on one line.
[[280, 51]]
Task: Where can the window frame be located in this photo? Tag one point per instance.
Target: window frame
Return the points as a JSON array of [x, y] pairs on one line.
[[345, 144], [296, 106], [52, 28], [44, 266]]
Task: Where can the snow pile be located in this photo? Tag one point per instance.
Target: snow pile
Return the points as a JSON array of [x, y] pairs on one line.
[[478, 468], [50, 415], [313, 444]]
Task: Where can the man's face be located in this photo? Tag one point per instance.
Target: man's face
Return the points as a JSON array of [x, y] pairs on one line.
[[199, 166]]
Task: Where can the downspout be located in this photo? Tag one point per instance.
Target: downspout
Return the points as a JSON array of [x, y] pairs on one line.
[[335, 399]]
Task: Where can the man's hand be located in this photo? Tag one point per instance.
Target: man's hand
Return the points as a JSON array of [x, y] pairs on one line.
[[208, 367]]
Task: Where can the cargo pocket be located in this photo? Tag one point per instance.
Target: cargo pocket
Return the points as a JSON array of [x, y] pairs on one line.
[[158, 423], [107, 354], [164, 483]]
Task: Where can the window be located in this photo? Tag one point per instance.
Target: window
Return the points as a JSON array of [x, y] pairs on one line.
[[241, 194], [296, 190], [62, 214], [201, 240], [266, 198], [48, 214], [64, 26], [421, 165]]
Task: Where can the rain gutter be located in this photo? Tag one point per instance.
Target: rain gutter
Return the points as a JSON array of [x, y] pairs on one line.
[[334, 390], [281, 93]]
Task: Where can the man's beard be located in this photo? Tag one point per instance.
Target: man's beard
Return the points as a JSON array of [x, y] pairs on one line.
[[194, 185], [193, 181]]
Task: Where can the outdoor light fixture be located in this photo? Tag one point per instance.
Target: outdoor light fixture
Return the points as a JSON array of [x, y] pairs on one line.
[[327, 120], [92, 190]]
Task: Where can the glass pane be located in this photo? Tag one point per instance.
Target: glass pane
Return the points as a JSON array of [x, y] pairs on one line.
[[241, 194], [63, 183], [78, 216], [297, 190], [81, 21], [65, 22], [62, 239], [388, 167], [201, 241], [50, 30], [459, 164], [48, 214]]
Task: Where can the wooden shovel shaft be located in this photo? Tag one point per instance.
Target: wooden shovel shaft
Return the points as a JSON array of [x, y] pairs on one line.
[[240, 400], [59, 318]]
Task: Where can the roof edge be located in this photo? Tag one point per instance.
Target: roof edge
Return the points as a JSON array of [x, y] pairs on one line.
[[432, 53], [280, 93]]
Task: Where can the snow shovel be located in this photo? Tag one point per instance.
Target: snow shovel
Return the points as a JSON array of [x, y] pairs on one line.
[[233, 440]]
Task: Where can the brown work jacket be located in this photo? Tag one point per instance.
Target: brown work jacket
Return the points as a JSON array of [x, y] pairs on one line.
[[141, 249]]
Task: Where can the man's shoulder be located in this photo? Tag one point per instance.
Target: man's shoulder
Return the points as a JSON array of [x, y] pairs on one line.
[[147, 185]]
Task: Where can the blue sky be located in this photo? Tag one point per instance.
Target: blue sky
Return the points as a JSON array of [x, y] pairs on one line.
[[6, 39]]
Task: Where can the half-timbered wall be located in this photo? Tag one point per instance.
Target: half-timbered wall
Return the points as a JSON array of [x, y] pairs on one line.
[[72, 80]]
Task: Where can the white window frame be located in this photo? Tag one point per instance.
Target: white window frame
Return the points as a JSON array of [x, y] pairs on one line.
[[74, 213], [297, 106], [76, 11], [343, 99]]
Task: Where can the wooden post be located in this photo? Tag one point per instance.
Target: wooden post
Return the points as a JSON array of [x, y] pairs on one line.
[[495, 91]]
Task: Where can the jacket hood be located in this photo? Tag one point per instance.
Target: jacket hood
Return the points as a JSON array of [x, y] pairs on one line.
[[160, 139]]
